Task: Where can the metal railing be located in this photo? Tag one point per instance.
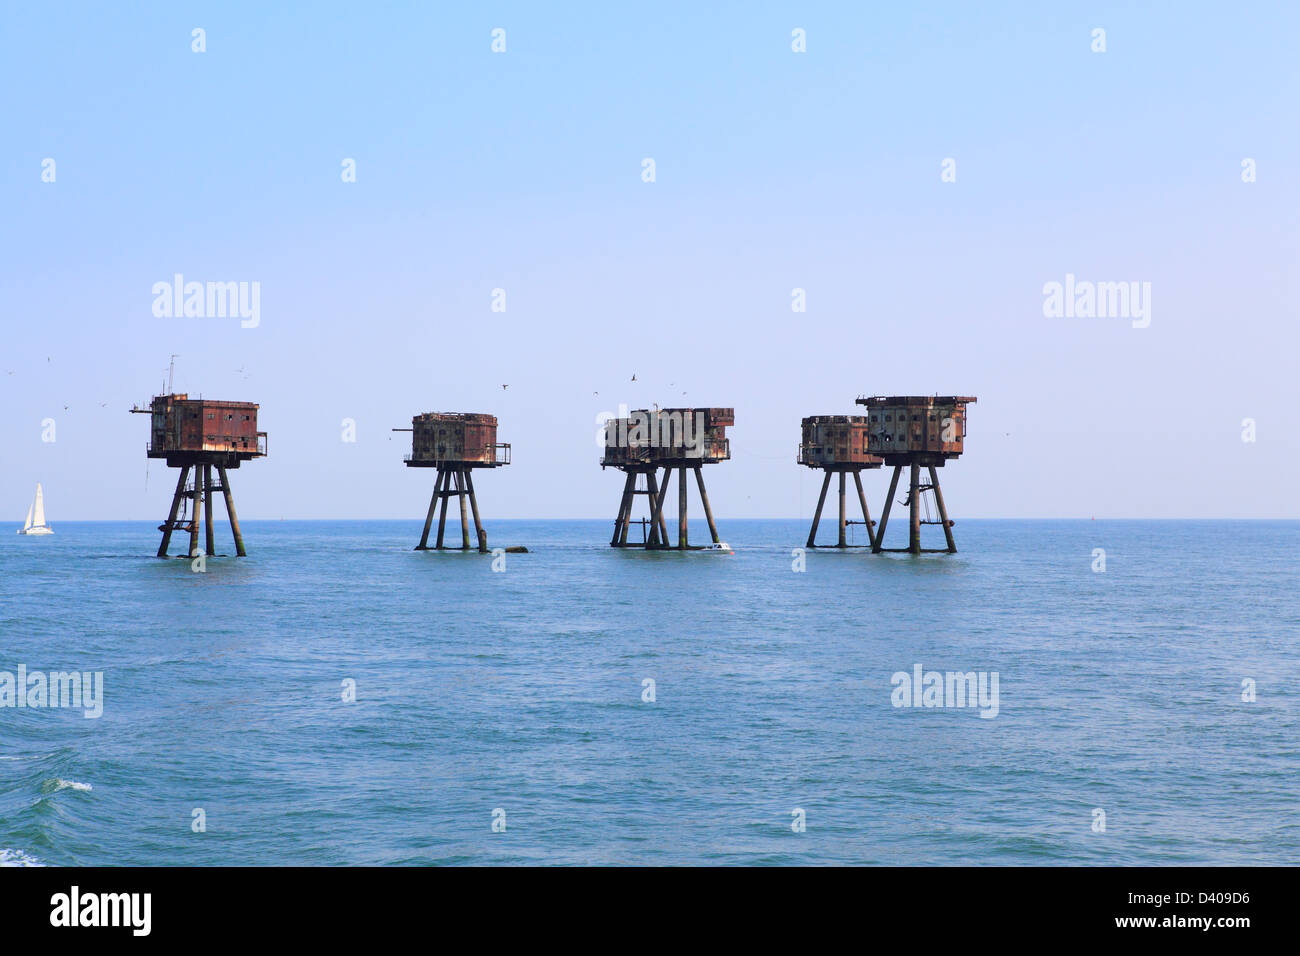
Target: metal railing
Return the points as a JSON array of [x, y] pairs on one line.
[[232, 445], [500, 455], [709, 449]]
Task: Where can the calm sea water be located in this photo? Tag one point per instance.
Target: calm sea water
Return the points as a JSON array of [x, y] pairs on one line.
[[522, 691]]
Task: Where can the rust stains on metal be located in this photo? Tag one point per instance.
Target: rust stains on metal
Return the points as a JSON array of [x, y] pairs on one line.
[[454, 443], [459, 439], [668, 437], [836, 442], [925, 429], [202, 434], [188, 431], [915, 432], [674, 439]]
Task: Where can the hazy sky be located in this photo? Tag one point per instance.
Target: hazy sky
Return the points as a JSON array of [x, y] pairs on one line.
[[774, 170]]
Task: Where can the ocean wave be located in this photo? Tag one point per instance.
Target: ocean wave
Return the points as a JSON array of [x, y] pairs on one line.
[[61, 784], [10, 857]]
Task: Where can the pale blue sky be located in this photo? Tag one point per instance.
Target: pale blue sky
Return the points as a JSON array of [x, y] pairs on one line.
[[775, 170]]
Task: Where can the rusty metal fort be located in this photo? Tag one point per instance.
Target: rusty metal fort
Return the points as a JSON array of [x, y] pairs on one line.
[[649, 446], [676, 440], [454, 443], [201, 434], [912, 431]]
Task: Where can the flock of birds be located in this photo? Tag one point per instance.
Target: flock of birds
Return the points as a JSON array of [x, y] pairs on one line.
[[505, 387], [243, 373]]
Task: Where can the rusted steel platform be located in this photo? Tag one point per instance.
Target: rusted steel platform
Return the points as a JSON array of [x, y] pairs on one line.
[[675, 440], [916, 431], [201, 434], [837, 444], [454, 443]]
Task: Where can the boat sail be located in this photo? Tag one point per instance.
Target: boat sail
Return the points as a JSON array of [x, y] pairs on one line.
[[36, 516]]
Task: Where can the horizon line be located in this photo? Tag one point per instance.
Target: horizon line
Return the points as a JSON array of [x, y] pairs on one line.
[[802, 518]]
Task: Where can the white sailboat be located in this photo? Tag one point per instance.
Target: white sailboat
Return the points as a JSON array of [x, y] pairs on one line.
[[36, 515]]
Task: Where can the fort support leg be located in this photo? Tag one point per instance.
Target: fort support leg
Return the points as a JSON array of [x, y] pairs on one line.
[[464, 512], [177, 498], [444, 494], [708, 512], [866, 512], [630, 506], [914, 503], [619, 538], [655, 498], [884, 515], [662, 497], [651, 536], [428, 519], [817, 515], [230, 512], [197, 514], [842, 542], [943, 512], [479, 534], [682, 542], [207, 510]]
